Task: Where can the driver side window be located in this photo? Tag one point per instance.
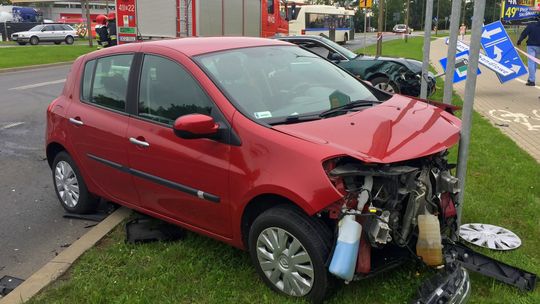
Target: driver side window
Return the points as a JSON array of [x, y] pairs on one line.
[[167, 91]]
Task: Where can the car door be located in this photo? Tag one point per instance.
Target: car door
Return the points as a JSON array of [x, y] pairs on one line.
[[98, 126], [183, 179], [47, 33]]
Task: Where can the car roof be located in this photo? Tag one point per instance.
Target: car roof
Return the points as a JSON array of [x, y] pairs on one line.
[[194, 46]]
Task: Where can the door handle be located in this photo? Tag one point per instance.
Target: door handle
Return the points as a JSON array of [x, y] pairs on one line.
[[76, 121], [139, 143]]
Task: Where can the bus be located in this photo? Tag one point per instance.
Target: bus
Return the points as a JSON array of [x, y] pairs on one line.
[[319, 19]]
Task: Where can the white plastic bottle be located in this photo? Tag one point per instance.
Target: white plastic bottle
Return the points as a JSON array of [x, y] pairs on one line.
[[343, 261]]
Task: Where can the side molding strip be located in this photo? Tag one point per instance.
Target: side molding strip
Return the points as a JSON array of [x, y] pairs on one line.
[[158, 180]]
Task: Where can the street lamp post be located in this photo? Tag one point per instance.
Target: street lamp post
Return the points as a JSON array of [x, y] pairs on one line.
[[380, 27]]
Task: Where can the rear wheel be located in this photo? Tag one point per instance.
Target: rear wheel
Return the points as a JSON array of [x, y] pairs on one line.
[[384, 84], [289, 251], [34, 40], [69, 40], [70, 186]]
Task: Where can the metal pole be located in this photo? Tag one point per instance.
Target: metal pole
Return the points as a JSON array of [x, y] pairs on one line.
[[365, 27], [107, 6], [470, 87], [437, 25], [451, 55], [380, 28], [88, 24], [407, 21], [427, 44]]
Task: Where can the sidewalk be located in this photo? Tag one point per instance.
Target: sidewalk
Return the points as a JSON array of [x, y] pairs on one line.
[[513, 107]]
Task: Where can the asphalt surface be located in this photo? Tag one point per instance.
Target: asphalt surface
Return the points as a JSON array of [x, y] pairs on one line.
[[32, 229]]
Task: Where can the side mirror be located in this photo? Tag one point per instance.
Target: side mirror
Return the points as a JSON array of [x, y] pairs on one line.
[[195, 126], [335, 57]]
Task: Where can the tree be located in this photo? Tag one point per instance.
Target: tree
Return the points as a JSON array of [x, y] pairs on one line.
[[5, 2]]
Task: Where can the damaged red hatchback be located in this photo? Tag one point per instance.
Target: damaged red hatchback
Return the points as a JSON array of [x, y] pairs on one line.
[[262, 145]]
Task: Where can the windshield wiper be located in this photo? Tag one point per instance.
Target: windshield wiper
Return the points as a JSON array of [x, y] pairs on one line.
[[294, 118], [347, 107]]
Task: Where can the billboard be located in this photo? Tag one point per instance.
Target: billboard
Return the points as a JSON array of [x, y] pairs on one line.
[[517, 11]]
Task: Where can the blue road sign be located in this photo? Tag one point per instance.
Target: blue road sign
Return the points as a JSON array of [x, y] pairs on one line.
[[500, 48], [460, 71]]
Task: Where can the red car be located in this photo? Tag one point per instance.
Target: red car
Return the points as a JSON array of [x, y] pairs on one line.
[[259, 144]]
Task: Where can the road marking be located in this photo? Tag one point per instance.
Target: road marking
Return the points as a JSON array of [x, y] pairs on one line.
[[520, 118], [11, 125], [36, 85], [523, 81]]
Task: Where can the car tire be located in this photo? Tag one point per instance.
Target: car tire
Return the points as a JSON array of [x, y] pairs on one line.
[[34, 40], [384, 84], [21, 43], [297, 237], [57, 42], [70, 187], [69, 40]]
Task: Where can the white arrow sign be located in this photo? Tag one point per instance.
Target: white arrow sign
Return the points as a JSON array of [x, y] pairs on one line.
[[487, 34], [516, 68], [486, 61], [498, 53]]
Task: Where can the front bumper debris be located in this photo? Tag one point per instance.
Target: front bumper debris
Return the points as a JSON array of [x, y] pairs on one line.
[[451, 286]]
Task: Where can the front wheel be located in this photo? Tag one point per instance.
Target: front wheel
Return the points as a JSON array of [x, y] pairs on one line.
[[70, 186], [69, 40], [34, 40], [21, 43], [57, 42], [384, 84], [289, 251]]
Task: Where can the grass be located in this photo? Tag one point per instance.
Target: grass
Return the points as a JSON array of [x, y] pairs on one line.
[[40, 54], [502, 188]]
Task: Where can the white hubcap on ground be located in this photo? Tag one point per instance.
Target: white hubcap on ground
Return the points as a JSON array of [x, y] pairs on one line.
[[489, 236], [285, 262], [67, 184]]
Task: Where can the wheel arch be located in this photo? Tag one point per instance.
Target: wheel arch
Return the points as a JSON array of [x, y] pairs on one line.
[[52, 150], [257, 206]]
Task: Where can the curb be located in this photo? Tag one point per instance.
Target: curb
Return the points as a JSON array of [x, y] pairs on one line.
[[33, 67], [62, 262]]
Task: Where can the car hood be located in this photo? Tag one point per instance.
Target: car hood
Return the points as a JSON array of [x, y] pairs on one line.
[[25, 33], [414, 65], [399, 129]]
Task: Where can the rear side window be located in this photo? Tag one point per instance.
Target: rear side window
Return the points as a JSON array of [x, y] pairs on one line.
[[87, 80], [168, 91], [107, 86]]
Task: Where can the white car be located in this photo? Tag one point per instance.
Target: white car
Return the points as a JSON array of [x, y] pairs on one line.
[[56, 33], [401, 28]]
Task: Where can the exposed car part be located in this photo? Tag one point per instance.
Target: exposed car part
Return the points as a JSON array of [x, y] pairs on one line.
[[378, 229], [492, 268], [346, 252], [451, 285], [489, 236], [145, 229], [429, 245]]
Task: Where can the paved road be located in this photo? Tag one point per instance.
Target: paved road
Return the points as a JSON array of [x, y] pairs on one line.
[[32, 229], [369, 39]]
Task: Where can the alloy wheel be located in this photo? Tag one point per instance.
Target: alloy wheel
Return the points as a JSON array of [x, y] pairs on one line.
[[385, 86], [67, 184]]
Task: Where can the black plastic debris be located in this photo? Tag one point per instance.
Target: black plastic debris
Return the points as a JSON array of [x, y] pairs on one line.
[[104, 209], [146, 230], [8, 283]]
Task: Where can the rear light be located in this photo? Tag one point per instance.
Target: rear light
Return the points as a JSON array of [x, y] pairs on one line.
[[303, 31]]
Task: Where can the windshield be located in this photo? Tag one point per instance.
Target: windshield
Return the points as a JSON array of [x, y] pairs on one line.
[[348, 53], [36, 28], [276, 82]]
